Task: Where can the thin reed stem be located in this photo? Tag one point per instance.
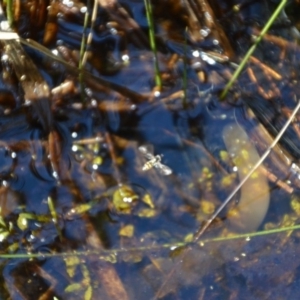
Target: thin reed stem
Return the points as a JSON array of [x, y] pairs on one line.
[[252, 49], [149, 14]]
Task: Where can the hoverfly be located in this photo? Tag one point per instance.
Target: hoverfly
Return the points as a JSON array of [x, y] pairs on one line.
[[154, 161]]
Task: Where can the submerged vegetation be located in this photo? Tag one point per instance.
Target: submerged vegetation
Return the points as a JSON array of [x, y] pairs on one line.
[[130, 140]]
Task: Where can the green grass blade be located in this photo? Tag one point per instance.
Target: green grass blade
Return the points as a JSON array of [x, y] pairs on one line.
[[149, 15], [9, 12], [252, 49]]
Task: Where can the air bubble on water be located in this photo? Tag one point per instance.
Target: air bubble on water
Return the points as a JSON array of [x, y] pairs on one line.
[[83, 9], [89, 92], [4, 26], [59, 42], [205, 32], [27, 102], [156, 93], [196, 65], [127, 199], [196, 53], [208, 59], [4, 57], [31, 237], [24, 221], [70, 4], [113, 31], [125, 58], [55, 52], [77, 105]]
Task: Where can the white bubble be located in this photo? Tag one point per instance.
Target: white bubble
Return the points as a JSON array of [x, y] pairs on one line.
[[196, 53], [113, 31], [83, 9], [70, 4], [125, 57], [205, 32], [54, 51], [89, 92], [156, 93], [59, 42], [4, 57]]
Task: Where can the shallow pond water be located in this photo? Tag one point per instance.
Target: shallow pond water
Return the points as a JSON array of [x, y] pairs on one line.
[[90, 215]]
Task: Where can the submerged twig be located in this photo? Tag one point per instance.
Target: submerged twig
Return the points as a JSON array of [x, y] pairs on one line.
[[266, 69], [83, 47], [90, 35], [88, 77], [277, 40], [86, 42], [201, 19]]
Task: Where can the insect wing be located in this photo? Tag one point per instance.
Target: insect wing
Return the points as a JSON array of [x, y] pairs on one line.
[[162, 169], [147, 151]]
